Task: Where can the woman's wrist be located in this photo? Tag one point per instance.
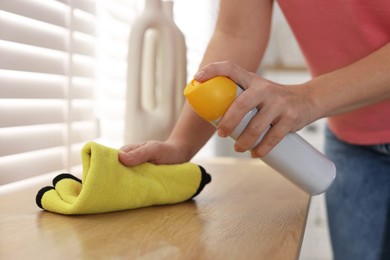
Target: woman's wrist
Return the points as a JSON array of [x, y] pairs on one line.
[[314, 100]]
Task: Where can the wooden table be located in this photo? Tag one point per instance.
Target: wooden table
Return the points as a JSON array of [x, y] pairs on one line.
[[248, 211]]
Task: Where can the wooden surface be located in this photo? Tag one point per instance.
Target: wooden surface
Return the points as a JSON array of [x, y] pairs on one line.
[[248, 211]]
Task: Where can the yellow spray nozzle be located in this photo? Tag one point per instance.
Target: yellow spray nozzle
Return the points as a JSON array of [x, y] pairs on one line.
[[211, 99]]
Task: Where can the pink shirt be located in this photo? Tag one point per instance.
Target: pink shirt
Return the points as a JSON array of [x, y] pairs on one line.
[[333, 34]]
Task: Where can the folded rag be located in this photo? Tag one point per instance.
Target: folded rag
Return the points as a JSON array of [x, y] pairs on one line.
[[108, 186]]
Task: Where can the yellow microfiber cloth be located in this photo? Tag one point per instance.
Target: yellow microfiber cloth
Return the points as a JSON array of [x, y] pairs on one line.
[[108, 186]]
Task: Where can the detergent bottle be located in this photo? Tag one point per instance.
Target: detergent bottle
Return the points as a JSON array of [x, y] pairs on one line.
[[293, 157], [156, 72]]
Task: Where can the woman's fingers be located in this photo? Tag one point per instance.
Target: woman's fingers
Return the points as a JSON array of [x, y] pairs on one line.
[[283, 107], [135, 154], [224, 68], [151, 151]]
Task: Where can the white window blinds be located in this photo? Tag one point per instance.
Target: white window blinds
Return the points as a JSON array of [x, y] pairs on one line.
[[114, 21], [47, 79], [63, 76]]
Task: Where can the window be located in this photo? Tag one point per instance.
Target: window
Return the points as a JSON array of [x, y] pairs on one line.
[[63, 77], [47, 80]]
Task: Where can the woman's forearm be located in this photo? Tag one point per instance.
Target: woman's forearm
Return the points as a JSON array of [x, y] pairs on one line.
[[362, 83], [238, 38]]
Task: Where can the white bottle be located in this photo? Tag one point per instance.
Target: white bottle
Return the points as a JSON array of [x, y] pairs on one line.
[[293, 157], [156, 54]]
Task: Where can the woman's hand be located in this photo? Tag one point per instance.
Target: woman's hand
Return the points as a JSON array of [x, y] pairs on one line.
[[285, 108], [152, 151]]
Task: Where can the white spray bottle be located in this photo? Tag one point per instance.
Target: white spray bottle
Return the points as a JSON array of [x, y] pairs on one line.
[[293, 157]]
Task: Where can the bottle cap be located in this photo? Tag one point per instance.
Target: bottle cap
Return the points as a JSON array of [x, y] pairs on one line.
[[211, 99]]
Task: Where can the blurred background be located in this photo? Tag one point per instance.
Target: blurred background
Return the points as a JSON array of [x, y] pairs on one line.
[[63, 82]]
